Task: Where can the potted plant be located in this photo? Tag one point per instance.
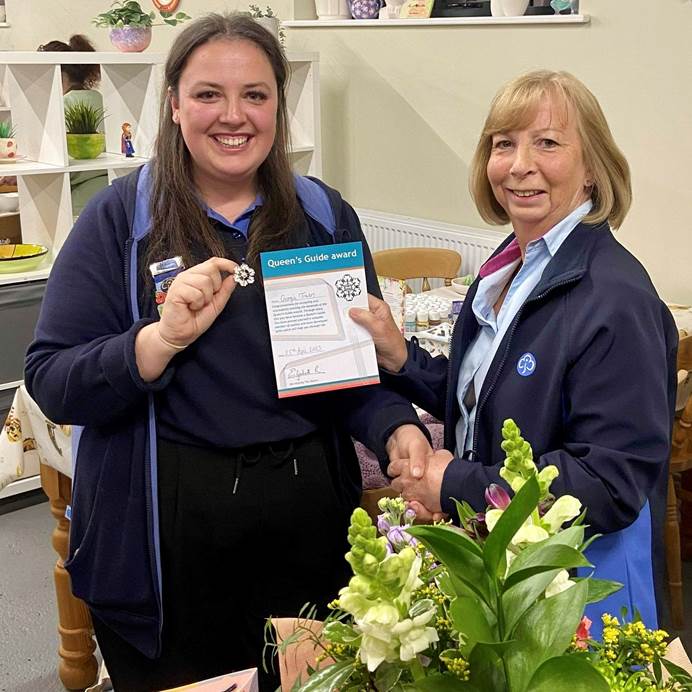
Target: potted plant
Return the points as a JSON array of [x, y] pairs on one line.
[[130, 26], [268, 19], [82, 123], [8, 145]]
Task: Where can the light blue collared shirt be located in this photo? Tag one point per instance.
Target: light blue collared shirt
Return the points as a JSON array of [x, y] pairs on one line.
[[480, 354]]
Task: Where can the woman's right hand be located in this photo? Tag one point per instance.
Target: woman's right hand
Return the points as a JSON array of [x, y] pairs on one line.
[[194, 300], [390, 344]]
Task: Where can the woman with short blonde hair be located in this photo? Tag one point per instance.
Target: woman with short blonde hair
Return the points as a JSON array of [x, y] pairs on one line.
[[515, 106], [562, 331]]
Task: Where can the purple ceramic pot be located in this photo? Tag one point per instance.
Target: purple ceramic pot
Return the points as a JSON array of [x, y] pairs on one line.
[[365, 9], [131, 39]]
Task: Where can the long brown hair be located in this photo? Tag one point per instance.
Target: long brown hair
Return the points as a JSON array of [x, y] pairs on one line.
[[179, 221]]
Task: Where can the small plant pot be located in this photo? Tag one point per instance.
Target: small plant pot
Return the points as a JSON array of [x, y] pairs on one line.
[[86, 146], [8, 150], [271, 24], [330, 10], [131, 39]]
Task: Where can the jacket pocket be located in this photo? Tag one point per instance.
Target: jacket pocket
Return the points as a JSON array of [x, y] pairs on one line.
[[109, 559]]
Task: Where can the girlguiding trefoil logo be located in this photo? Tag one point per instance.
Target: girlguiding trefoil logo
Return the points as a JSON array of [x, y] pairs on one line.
[[526, 365]]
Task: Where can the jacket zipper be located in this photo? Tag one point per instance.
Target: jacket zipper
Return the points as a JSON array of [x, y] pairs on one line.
[[134, 309], [498, 370]]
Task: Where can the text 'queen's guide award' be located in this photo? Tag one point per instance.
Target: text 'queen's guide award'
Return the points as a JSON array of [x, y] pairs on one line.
[[316, 345]]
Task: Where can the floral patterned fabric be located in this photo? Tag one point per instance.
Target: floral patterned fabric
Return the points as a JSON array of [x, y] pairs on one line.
[[28, 436]]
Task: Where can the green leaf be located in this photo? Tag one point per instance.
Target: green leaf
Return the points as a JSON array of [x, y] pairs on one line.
[[459, 554], [680, 674], [329, 678], [544, 631], [520, 597], [545, 557], [445, 533], [486, 670], [170, 22], [340, 632], [468, 617], [568, 674], [517, 512], [599, 588], [444, 683], [464, 509], [387, 675]]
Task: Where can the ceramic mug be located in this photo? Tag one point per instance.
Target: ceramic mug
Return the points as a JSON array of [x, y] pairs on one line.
[[8, 150]]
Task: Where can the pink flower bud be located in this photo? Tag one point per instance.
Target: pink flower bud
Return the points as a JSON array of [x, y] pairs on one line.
[[496, 496]]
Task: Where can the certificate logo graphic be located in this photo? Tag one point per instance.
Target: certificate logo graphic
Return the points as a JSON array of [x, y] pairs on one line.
[[347, 287]]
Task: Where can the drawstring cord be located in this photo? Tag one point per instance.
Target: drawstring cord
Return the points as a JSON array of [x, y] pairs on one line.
[[243, 459]]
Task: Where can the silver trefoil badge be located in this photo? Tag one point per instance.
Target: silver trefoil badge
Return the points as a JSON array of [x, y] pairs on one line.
[[348, 287]]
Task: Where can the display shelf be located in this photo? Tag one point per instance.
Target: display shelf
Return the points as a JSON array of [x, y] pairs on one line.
[[29, 167], [22, 277], [23, 485], [532, 20], [106, 161]]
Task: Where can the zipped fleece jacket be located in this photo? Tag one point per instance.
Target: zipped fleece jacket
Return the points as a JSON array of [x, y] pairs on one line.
[[81, 370], [598, 404]]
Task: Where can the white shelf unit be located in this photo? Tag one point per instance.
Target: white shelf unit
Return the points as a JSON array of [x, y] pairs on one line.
[[130, 88], [308, 21], [130, 85]]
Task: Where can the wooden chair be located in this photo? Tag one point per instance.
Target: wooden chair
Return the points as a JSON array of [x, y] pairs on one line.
[[418, 263], [680, 461], [371, 497]]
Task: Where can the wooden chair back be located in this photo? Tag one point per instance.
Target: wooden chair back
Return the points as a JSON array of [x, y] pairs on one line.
[[680, 461], [418, 263]]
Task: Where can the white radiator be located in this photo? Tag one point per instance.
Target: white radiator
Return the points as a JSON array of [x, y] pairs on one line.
[[384, 231]]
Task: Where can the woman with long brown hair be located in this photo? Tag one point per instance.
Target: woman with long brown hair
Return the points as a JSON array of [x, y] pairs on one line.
[[202, 502]]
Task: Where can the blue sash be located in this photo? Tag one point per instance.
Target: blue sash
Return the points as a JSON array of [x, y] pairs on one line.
[[624, 556]]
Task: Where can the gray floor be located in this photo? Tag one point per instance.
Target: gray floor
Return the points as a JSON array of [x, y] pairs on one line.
[[28, 635]]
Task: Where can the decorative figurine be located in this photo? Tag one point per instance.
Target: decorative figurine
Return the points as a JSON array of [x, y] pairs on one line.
[[126, 146]]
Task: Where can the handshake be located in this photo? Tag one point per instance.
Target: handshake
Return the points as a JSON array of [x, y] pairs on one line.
[[417, 471]]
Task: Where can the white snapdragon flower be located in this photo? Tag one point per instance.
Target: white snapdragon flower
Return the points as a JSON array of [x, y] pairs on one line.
[[564, 509], [379, 643], [414, 636], [561, 583]]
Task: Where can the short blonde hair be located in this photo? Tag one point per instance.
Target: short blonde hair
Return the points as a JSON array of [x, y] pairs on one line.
[[515, 106]]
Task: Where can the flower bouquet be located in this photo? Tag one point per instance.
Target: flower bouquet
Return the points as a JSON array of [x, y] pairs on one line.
[[488, 606]]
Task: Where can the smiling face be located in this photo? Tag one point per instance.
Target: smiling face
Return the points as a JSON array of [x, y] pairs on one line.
[[226, 105], [537, 173]]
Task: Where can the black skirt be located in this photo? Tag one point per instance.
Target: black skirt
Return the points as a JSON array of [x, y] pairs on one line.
[[231, 559]]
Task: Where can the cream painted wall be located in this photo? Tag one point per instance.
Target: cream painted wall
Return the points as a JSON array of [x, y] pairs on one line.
[[402, 107]]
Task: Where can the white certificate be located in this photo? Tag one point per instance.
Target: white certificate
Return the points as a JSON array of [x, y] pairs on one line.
[[316, 345]]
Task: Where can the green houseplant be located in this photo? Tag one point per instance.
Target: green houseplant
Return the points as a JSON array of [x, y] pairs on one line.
[[82, 124], [130, 26], [268, 19]]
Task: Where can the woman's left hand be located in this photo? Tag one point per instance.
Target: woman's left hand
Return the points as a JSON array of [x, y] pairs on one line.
[[409, 443]]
